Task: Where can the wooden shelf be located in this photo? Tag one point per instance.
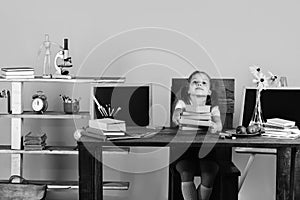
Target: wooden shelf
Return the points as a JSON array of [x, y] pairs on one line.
[[107, 185], [16, 124], [61, 150], [49, 150], [72, 80], [47, 115]]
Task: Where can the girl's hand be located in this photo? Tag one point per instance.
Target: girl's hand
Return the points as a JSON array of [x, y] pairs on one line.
[[176, 116], [214, 128], [216, 124]]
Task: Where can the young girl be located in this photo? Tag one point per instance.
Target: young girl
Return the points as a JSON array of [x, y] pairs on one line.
[[198, 94]]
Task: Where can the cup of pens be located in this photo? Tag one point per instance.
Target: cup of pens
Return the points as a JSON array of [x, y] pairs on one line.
[[71, 106]]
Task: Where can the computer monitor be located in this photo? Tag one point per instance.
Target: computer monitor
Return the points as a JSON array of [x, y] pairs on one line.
[[135, 102], [281, 102]]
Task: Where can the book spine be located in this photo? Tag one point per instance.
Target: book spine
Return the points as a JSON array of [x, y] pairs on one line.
[[195, 122], [18, 76], [13, 69]]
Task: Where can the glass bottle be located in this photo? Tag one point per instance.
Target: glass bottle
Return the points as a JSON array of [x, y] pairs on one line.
[[257, 117]]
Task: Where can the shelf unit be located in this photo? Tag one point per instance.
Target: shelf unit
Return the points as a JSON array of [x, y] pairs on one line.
[[17, 116]]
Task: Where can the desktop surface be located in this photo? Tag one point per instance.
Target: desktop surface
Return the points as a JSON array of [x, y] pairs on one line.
[[177, 137]]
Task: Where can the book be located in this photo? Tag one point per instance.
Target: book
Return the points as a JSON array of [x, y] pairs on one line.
[[103, 132], [292, 133], [270, 126], [184, 121], [189, 128], [18, 76], [196, 116], [133, 136], [108, 124], [17, 73], [33, 142], [35, 137], [197, 109], [186, 127], [34, 147], [92, 135], [281, 122], [13, 69]]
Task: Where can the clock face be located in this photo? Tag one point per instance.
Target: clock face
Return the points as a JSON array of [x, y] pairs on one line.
[[38, 104]]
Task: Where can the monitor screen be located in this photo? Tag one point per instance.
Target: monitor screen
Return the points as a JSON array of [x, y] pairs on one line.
[[275, 102], [134, 101]]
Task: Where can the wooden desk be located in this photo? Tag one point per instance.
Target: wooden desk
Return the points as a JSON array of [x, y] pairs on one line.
[[91, 171]]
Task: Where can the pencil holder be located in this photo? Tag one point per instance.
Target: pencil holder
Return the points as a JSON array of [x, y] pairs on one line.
[[71, 107]]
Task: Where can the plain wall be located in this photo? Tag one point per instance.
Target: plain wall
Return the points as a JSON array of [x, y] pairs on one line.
[[149, 41]]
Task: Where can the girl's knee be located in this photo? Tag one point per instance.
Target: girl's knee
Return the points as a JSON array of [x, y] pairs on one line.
[[186, 176], [186, 172], [184, 165], [208, 173]]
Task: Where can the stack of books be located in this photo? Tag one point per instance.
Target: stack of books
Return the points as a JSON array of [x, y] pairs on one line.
[[17, 72], [34, 141], [106, 127], [279, 123], [281, 129], [195, 117]]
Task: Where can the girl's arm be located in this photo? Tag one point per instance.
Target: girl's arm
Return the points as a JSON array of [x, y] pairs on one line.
[[217, 124], [179, 107], [216, 119]]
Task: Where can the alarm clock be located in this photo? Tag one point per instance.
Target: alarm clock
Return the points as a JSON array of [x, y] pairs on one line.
[[39, 102]]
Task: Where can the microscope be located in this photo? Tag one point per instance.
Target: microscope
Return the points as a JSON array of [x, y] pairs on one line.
[[65, 62]]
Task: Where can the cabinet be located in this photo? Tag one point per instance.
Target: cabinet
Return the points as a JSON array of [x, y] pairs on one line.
[[19, 115]]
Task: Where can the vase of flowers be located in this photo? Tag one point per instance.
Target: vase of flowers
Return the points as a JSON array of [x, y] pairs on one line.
[[261, 82]]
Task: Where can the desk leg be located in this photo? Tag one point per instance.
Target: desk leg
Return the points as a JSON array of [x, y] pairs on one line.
[[283, 173], [98, 173], [297, 174], [174, 177], [90, 172]]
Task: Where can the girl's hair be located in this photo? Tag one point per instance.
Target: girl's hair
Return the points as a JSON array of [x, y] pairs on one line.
[[183, 95]]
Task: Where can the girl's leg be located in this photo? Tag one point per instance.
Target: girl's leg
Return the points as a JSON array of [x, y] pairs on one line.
[[209, 170], [186, 169]]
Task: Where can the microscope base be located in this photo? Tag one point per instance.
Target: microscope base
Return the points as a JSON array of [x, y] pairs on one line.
[[59, 76]]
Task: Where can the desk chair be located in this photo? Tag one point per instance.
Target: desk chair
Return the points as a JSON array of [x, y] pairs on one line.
[[226, 183]]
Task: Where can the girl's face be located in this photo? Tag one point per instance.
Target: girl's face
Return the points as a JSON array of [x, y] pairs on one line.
[[199, 85]]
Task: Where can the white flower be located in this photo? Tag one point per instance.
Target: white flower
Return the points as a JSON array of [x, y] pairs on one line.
[[260, 80], [256, 71]]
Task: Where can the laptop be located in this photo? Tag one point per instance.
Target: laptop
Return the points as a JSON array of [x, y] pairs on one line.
[[283, 102]]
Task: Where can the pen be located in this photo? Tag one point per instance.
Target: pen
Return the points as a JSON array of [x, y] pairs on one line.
[[118, 109], [100, 108]]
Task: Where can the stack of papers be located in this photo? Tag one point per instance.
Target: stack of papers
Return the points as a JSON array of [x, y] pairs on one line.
[[291, 133], [281, 129]]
